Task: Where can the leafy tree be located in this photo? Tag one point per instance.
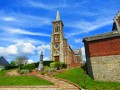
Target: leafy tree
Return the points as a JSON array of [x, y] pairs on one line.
[[12, 63], [21, 60]]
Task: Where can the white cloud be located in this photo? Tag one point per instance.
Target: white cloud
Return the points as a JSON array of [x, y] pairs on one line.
[[83, 53], [26, 47], [12, 50], [87, 26], [30, 61], [46, 59], [43, 48], [78, 40], [45, 6], [8, 19], [22, 20], [20, 48], [21, 31]]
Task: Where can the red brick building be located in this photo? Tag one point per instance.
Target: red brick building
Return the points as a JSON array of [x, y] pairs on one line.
[[60, 49], [103, 54]]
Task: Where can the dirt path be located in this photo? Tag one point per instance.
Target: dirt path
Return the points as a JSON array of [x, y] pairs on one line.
[[62, 85]]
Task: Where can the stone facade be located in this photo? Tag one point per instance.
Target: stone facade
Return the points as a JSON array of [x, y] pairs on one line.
[[106, 68], [103, 54]]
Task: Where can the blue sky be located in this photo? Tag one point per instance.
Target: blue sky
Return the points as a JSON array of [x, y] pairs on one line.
[[25, 25]]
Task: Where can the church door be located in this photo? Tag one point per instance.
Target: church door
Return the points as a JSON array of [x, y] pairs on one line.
[[57, 58]]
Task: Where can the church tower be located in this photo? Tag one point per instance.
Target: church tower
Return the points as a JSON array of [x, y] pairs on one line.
[[57, 51]]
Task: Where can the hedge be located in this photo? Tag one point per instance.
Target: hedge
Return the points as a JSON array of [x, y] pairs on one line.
[[8, 67], [29, 66]]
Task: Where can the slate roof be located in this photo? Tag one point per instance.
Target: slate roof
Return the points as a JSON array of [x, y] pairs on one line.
[[3, 61], [114, 33], [77, 52]]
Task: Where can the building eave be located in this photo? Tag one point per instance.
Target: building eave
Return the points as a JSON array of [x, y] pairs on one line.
[[101, 36]]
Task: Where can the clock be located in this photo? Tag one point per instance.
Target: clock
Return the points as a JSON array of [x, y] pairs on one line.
[[56, 45]]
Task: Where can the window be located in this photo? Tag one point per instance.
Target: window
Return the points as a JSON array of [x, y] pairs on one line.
[[57, 28], [56, 38], [77, 60]]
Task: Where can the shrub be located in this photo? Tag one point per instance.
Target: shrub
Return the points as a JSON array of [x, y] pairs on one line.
[[8, 67], [47, 63], [23, 71], [51, 69], [57, 65], [29, 66], [43, 72], [64, 65]]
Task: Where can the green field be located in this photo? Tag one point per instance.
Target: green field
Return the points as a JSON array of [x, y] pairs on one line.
[[21, 80], [78, 77]]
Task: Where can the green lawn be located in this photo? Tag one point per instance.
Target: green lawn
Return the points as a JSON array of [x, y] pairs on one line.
[[23, 81], [78, 77], [3, 73]]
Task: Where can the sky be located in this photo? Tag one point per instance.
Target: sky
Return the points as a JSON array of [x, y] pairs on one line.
[[26, 28]]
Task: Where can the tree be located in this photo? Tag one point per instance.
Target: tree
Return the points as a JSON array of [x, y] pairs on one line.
[[21, 60], [12, 63]]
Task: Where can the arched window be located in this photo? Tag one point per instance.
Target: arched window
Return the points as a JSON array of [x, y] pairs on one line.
[[57, 28], [77, 60], [56, 38]]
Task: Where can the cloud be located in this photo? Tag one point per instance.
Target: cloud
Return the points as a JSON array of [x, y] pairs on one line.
[[20, 48], [88, 26], [25, 47], [46, 59], [78, 40], [9, 19], [30, 61], [24, 32], [43, 48], [83, 53], [45, 6], [22, 20]]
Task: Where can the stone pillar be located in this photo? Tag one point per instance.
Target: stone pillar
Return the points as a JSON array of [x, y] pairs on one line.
[[40, 67]]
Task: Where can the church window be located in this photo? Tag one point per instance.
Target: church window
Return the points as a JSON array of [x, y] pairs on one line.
[[56, 38], [57, 28], [77, 59]]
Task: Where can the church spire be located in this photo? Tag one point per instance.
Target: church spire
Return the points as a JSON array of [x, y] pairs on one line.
[[57, 16]]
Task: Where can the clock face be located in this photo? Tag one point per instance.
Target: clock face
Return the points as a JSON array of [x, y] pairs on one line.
[[56, 45]]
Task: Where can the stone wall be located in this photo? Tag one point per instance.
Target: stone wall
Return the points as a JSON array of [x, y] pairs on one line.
[[105, 68]]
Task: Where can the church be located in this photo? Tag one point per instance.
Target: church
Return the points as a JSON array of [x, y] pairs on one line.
[[60, 49]]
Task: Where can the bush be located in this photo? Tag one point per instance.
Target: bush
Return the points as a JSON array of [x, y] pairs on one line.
[[47, 63], [29, 66], [64, 65], [23, 71], [43, 72], [57, 65], [8, 67]]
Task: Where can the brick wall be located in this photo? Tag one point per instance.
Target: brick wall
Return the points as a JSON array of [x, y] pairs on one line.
[[104, 47]]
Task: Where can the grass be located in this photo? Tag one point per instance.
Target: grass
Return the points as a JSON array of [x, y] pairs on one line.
[[23, 81], [78, 77], [3, 73]]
